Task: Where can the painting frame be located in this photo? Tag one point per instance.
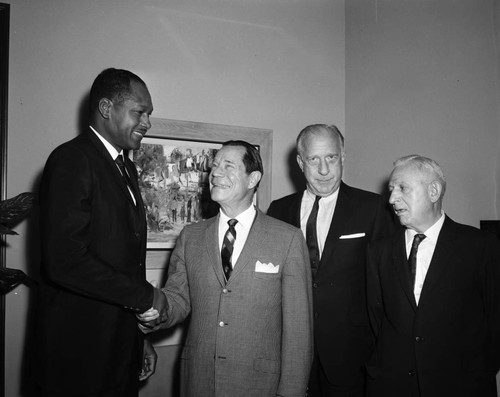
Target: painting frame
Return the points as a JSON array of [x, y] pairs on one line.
[[190, 136]]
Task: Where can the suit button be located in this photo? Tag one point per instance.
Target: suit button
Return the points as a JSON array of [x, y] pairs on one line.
[[411, 372], [315, 285], [419, 339], [221, 324], [316, 314], [225, 291]]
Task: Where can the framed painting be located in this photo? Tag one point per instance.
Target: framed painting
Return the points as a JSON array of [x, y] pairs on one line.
[[174, 162]]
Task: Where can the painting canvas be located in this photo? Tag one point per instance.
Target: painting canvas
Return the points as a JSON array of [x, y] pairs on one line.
[[173, 164], [173, 178]]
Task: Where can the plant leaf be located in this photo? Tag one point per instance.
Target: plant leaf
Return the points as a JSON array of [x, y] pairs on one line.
[[16, 208], [6, 230]]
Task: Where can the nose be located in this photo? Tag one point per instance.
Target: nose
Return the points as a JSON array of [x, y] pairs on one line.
[[215, 170], [145, 121], [323, 168], [393, 197]]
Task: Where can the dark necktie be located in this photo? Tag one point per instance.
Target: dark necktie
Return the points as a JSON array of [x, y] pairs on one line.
[[312, 238], [121, 165], [412, 259], [227, 248]]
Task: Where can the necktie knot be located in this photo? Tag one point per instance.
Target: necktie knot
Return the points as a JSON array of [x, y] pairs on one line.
[[119, 160], [232, 222], [418, 239]]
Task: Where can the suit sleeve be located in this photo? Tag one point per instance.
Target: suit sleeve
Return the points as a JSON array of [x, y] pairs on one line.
[[271, 210], [297, 334], [176, 288], [384, 222], [491, 283], [68, 228], [373, 289]]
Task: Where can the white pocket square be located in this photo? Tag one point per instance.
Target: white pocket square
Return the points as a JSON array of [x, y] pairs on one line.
[[355, 235], [266, 267]]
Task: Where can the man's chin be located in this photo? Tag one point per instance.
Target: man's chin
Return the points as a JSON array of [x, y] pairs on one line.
[[217, 193]]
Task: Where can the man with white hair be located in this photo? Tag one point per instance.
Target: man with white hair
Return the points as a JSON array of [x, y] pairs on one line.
[[433, 296]]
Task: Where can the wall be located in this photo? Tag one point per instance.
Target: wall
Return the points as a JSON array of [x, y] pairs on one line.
[[421, 77], [255, 63], [418, 76]]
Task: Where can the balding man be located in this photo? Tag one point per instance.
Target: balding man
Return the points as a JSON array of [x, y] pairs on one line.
[[338, 222], [433, 295]]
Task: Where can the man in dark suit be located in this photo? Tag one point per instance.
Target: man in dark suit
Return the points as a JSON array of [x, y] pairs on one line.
[[347, 219], [434, 296], [93, 234]]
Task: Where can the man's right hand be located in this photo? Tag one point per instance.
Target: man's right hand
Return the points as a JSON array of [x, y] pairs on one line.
[[157, 314]]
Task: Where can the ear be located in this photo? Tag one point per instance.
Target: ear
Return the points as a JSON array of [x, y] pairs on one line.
[[104, 107], [435, 189], [300, 162], [255, 177]]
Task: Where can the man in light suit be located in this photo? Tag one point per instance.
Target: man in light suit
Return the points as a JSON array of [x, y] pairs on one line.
[[347, 219], [434, 296], [93, 234], [250, 331]]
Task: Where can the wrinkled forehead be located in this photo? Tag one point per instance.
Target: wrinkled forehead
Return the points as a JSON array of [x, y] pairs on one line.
[[233, 154], [409, 174], [321, 141]]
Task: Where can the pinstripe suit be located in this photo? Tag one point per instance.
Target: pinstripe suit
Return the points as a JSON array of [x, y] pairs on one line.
[[253, 336]]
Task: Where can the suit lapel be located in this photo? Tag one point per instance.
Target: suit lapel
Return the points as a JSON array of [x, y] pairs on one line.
[[340, 217], [112, 166], [400, 262], [212, 246], [441, 257], [295, 210]]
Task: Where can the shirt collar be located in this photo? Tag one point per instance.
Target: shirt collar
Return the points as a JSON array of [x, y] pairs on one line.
[[431, 234], [328, 199], [245, 219], [112, 151]]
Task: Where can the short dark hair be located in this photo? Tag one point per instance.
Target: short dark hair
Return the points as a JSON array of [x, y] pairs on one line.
[[114, 84], [251, 158]]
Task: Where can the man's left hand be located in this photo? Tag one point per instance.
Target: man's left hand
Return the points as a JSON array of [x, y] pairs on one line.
[[149, 361]]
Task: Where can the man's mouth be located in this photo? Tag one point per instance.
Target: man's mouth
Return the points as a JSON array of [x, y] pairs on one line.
[[140, 132], [220, 185], [399, 211]]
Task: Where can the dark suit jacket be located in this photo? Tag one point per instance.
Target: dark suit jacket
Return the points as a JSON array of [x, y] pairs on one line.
[[93, 260], [251, 337], [342, 332], [448, 345]]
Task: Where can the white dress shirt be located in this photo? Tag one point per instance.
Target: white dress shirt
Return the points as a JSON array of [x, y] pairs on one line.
[[113, 153], [245, 221], [325, 215], [424, 253]]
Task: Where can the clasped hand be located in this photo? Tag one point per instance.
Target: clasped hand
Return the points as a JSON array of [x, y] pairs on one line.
[[151, 319]]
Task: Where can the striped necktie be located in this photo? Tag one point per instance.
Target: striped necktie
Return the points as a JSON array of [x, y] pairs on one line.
[[227, 248]]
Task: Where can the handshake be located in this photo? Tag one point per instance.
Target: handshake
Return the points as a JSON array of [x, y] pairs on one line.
[[152, 319]]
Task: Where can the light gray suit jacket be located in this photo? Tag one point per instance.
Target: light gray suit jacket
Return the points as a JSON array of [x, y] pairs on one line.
[[253, 336]]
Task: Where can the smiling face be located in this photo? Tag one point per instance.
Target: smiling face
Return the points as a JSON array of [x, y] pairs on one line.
[[127, 121], [230, 184], [415, 197], [321, 159]]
